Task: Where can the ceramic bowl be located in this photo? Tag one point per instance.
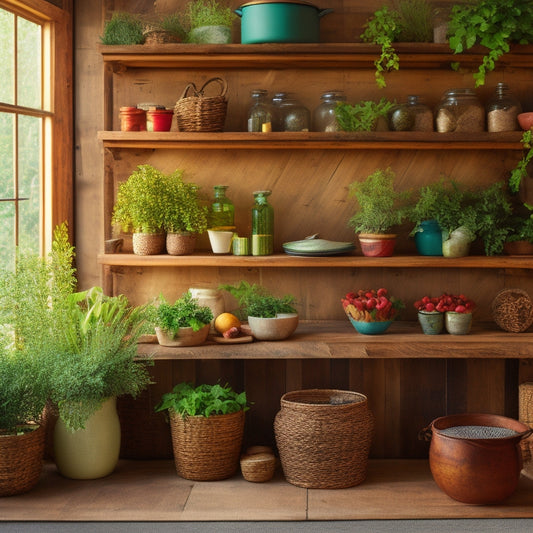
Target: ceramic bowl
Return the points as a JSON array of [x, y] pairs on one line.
[[370, 328], [526, 120], [273, 329], [185, 337]]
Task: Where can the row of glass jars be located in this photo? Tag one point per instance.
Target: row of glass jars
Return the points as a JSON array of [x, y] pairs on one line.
[[460, 110]]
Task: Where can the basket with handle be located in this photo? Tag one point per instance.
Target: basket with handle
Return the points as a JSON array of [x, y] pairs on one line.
[[197, 112]]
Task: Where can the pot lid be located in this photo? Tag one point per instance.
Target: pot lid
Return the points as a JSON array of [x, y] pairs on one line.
[[303, 2]]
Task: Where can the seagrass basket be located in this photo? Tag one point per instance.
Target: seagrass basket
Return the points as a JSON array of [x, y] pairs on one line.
[[21, 461], [525, 415], [324, 437], [160, 37], [207, 448], [258, 467], [512, 310], [195, 111]]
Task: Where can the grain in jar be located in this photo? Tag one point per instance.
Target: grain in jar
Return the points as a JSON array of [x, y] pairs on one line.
[[411, 116], [460, 111], [502, 110]]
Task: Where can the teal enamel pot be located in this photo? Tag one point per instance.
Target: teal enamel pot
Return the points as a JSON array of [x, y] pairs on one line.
[[292, 21]]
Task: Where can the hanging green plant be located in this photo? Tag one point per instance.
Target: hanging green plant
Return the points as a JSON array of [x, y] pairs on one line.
[[520, 171], [494, 24]]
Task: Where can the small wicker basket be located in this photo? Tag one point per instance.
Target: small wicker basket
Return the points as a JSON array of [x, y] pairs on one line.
[[201, 113], [512, 310], [258, 467]]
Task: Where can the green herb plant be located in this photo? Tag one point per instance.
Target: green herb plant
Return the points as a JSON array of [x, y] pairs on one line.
[[494, 24], [185, 312], [406, 21], [521, 224], [207, 13], [173, 24], [520, 171], [363, 116], [380, 205], [123, 28], [257, 301], [203, 400]]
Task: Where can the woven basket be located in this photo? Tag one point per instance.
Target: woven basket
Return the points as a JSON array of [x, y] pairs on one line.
[[198, 112], [512, 310], [525, 415], [21, 461], [258, 467], [207, 448], [160, 37], [324, 437]]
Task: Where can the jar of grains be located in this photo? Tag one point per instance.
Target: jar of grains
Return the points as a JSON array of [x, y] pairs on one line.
[[460, 111], [502, 110], [324, 118], [411, 116]]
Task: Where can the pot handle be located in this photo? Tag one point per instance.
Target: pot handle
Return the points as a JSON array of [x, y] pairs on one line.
[[325, 12], [238, 12], [425, 434]]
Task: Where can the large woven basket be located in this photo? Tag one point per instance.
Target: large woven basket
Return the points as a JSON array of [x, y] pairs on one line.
[[525, 415], [195, 111], [512, 310], [207, 448], [324, 437], [21, 461]]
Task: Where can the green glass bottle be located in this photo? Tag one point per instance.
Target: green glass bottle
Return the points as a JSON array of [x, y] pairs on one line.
[[262, 224], [222, 212]]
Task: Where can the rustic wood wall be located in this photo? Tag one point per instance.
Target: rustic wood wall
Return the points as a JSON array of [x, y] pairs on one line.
[[310, 195]]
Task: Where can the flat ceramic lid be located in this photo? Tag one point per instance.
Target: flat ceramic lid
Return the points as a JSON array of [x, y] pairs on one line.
[[317, 247]]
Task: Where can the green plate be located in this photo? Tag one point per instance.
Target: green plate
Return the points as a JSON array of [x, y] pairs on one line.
[[317, 247]]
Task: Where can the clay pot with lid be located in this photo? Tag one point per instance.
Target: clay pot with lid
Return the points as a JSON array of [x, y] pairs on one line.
[[476, 470]]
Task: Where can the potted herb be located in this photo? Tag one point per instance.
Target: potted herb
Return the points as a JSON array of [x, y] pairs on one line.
[[167, 29], [208, 21], [521, 170], [184, 216], [380, 207], [269, 317], [494, 24], [32, 299], [96, 362], [123, 28], [183, 323], [140, 207], [207, 427], [407, 21], [519, 240], [366, 115]]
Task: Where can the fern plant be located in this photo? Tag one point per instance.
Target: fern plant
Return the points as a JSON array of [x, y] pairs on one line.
[[520, 171], [363, 116]]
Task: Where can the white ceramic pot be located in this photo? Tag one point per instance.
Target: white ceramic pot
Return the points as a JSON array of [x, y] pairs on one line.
[[273, 329], [92, 452], [184, 337], [220, 240]]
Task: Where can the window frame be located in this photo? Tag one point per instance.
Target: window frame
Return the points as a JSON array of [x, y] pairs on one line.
[[57, 128]]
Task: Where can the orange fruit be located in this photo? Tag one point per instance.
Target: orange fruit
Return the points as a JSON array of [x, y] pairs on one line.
[[226, 321]]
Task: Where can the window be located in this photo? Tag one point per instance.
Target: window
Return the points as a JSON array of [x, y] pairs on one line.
[[35, 125]]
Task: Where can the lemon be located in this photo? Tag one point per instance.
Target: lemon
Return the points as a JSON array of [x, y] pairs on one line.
[[225, 321]]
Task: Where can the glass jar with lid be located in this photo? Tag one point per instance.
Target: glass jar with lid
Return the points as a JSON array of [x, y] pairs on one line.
[[411, 116], [460, 111], [502, 110], [324, 118], [294, 115], [259, 112], [277, 119]]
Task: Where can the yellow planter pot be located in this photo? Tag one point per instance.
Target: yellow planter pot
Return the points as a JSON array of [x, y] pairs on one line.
[[92, 452]]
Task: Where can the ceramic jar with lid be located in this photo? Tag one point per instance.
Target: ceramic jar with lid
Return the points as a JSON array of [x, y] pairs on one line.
[[502, 110], [324, 118], [460, 111], [209, 297], [259, 112]]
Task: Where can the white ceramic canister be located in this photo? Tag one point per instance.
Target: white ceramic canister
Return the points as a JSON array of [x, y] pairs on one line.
[[209, 297]]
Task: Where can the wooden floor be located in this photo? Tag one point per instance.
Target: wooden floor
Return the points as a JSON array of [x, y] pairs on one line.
[[151, 491]]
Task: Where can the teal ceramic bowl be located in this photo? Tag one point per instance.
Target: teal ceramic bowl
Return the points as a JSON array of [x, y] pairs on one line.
[[370, 328]]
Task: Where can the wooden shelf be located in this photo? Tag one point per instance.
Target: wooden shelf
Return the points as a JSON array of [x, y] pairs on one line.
[[337, 339], [149, 491], [312, 140], [290, 261], [309, 55]]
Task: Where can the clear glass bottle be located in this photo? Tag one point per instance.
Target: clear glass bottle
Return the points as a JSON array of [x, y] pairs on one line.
[[502, 110], [260, 112], [222, 212], [262, 224], [324, 118], [461, 111], [277, 119], [294, 115], [411, 116]]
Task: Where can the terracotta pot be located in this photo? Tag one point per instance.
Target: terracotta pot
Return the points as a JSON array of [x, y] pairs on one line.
[[148, 243], [377, 245], [184, 337], [181, 243], [476, 470], [273, 329]]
